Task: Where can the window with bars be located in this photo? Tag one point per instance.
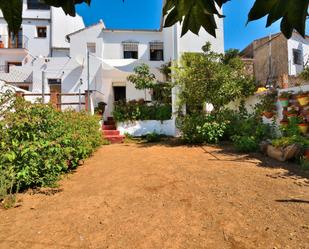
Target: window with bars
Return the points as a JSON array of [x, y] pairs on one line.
[[130, 50], [156, 51], [37, 5], [41, 32], [297, 57]]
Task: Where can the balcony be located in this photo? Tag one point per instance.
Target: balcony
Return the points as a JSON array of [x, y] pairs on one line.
[[13, 42], [13, 49]]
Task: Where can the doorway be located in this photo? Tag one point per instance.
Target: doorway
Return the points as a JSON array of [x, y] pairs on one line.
[[120, 93], [55, 90]]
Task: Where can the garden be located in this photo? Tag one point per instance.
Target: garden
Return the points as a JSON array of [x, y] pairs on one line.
[[221, 80], [39, 144]]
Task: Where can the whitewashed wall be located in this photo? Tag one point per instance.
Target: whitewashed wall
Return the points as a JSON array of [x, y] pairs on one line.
[[297, 42], [141, 128]]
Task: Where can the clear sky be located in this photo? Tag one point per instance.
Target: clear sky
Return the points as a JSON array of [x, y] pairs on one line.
[[146, 14]]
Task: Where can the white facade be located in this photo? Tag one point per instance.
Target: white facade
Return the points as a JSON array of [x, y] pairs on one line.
[[63, 57], [297, 44], [31, 43]]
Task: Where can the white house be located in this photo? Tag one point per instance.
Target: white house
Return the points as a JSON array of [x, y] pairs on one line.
[[42, 34], [97, 58]]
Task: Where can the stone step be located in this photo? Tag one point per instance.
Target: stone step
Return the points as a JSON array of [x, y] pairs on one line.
[[109, 127], [109, 122], [114, 138], [111, 132]]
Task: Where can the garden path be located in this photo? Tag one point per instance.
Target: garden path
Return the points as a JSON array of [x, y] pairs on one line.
[[163, 196]]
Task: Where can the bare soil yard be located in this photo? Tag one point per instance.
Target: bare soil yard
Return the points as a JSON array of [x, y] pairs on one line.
[[161, 196]]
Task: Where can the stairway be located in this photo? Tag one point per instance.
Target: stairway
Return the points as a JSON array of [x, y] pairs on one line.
[[110, 132]]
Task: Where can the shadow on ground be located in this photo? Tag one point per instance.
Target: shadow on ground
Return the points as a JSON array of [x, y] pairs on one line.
[[225, 152]]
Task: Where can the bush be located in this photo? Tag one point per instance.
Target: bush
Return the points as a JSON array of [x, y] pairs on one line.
[[199, 128], [139, 110], [294, 139], [245, 143], [153, 137], [39, 144]]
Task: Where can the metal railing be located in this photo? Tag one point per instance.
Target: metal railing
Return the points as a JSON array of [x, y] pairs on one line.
[[10, 41]]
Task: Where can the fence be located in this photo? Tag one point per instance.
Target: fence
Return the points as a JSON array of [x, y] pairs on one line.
[[56, 99]]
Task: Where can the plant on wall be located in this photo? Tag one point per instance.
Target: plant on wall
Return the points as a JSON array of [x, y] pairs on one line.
[[267, 104]]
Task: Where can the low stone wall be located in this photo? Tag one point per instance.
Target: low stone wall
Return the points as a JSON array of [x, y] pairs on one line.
[[140, 128]]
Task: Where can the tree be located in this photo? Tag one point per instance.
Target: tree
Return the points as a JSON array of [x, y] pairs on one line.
[[194, 14], [142, 78], [206, 78]]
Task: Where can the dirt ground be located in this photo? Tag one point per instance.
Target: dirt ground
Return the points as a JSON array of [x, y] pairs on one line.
[[161, 196]]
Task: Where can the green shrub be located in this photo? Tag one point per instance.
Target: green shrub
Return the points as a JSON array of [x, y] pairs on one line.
[[199, 128], [294, 139], [39, 143], [153, 137], [245, 130], [139, 110], [245, 143]]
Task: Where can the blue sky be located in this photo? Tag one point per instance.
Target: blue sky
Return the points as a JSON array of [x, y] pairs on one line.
[[141, 14]]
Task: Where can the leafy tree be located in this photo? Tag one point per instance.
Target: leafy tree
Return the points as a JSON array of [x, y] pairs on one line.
[[194, 14], [230, 54], [205, 78], [142, 78]]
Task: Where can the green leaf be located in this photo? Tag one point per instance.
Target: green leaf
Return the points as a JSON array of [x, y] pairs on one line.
[[292, 12], [193, 14]]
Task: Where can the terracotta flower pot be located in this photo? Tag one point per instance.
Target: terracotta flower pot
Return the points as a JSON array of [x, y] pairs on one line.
[[291, 115], [303, 127], [303, 99], [284, 123], [284, 102], [268, 114]]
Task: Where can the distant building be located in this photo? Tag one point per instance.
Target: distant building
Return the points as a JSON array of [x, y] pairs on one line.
[[42, 34], [275, 57]]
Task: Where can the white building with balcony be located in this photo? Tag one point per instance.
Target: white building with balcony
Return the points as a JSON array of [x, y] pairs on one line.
[[61, 64], [42, 34]]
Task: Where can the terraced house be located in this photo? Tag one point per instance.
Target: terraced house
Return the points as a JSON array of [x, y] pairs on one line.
[[50, 56]]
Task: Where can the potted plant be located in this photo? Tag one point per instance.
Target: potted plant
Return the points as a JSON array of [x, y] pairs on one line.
[[302, 98], [268, 105], [284, 99], [303, 126], [284, 123], [100, 109], [292, 113]]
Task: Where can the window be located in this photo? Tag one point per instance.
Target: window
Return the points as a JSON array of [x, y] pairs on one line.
[[10, 63], [91, 47], [54, 81], [297, 57], [156, 51], [130, 50], [41, 32], [37, 5]]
